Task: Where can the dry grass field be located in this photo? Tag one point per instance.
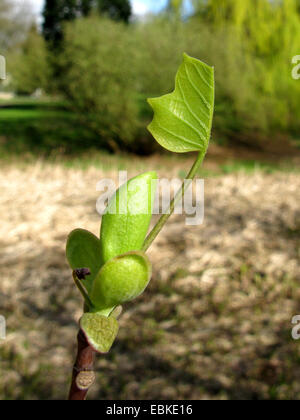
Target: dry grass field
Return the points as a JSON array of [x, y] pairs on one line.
[[215, 322]]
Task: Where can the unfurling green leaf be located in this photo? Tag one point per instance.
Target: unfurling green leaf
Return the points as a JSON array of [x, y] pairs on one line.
[[183, 119], [127, 217], [100, 331], [120, 280], [84, 251]]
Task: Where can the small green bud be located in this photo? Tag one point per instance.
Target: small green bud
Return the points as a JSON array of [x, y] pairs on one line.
[[120, 280]]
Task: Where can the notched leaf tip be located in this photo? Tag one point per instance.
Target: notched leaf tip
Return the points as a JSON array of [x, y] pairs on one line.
[[182, 119]]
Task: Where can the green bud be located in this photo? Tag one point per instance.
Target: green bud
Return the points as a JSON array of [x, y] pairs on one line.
[[120, 280]]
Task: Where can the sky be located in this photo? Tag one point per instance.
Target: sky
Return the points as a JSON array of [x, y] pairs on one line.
[[140, 7]]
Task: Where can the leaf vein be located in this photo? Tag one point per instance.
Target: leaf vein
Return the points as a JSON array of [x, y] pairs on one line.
[[178, 136], [201, 75], [198, 91], [205, 128]]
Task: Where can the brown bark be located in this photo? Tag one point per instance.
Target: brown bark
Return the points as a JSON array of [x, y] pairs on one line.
[[83, 370]]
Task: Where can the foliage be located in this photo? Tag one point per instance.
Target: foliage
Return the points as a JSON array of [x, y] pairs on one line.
[[29, 66], [58, 11], [183, 119], [99, 81], [256, 95], [117, 270], [117, 262], [131, 206], [106, 70], [175, 8], [84, 250], [116, 9], [121, 280], [156, 62], [100, 331], [255, 41]]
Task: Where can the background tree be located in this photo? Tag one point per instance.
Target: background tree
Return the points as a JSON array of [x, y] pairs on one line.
[[29, 64], [175, 7], [58, 11], [55, 12]]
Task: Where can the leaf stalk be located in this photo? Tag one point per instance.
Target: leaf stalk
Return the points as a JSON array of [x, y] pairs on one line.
[[87, 300], [180, 194]]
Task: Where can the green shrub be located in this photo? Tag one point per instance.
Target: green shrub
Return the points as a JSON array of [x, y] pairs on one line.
[[29, 66], [159, 47], [98, 77], [255, 40], [250, 43]]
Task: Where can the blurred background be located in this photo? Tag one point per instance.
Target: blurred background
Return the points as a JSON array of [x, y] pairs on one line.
[[215, 322]]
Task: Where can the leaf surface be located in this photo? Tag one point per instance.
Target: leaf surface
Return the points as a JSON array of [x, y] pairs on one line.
[[120, 280], [84, 251], [127, 218], [183, 119], [100, 331]]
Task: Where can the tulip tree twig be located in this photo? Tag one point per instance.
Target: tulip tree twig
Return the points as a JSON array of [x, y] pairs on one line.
[[107, 287], [83, 370]]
